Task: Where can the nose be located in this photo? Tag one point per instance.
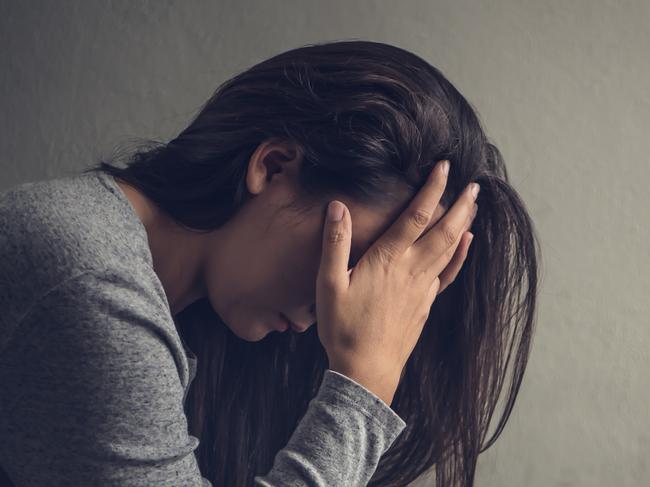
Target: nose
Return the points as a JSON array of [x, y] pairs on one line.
[[305, 319]]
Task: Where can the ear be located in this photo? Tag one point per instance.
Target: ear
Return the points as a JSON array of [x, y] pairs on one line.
[[272, 156]]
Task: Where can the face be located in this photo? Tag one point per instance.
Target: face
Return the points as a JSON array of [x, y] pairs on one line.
[[268, 254]]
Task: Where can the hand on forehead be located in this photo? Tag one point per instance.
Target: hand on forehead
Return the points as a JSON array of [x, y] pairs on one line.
[[368, 224]]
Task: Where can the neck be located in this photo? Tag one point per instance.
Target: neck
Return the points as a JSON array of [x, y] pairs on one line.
[[178, 254]]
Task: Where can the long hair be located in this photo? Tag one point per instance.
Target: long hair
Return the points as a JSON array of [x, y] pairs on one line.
[[367, 116]]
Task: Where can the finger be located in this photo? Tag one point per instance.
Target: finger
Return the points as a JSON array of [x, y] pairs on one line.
[[335, 252], [436, 247], [414, 219], [424, 265], [451, 271], [434, 290]]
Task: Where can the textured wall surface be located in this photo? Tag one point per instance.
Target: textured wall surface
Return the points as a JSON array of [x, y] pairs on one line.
[[562, 88]]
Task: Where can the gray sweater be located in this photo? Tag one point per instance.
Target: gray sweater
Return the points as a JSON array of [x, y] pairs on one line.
[[93, 372]]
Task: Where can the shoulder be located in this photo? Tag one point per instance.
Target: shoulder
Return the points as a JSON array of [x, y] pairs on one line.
[[56, 229], [72, 222], [103, 322]]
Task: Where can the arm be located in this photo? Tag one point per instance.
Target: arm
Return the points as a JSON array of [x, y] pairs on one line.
[[91, 391], [339, 441], [92, 395]]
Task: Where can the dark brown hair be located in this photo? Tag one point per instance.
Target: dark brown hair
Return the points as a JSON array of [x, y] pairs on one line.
[[367, 116]]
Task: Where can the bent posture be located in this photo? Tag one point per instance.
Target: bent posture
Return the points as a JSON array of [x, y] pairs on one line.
[[283, 294]]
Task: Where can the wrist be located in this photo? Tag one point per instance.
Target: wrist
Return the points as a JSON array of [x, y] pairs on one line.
[[383, 387]]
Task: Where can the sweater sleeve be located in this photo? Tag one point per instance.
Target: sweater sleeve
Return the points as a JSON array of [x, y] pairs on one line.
[[339, 440], [91, 393]]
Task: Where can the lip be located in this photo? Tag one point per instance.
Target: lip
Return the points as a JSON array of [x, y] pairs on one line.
[[282, 325], [292, 325]]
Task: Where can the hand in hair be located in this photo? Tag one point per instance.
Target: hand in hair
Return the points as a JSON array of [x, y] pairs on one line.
[[370, 317]]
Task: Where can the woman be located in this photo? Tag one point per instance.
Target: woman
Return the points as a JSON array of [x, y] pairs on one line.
[[195, 311]]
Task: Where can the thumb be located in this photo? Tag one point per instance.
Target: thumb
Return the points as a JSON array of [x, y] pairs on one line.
[[335, 253]]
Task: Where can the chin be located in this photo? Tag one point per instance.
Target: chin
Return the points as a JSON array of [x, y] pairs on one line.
[[254, 333]]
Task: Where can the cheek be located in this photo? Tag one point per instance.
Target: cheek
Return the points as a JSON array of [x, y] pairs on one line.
[[285, 267], [282, 278], [298, 280], [300, 276]]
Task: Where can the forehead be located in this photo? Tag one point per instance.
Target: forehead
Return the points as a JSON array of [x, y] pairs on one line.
[[370, 223]]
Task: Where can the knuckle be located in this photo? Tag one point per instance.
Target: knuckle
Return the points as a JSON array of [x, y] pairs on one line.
[[443, 284], [335, 236], [419, 218], [414, 274], [441, 288], [436, 286], [449, 234], [385, 253], [432, 288]]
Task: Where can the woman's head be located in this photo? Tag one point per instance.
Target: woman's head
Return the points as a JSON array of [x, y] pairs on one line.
[[264, 260], [362, 122]]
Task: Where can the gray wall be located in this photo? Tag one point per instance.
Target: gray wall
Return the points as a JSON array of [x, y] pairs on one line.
[[562, 88]]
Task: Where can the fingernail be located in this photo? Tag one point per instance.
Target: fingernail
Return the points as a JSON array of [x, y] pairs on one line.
[[475, 189], [445, 168], [334, 211]]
